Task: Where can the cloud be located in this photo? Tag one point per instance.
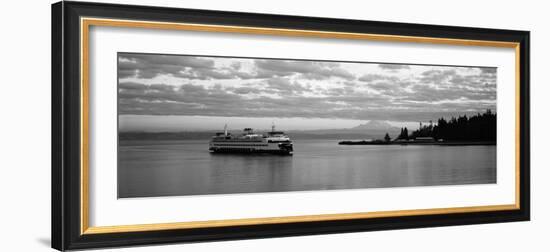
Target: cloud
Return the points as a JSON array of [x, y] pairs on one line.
[[211, 86], [428, 93], [192, 99], [284, 86], [451, 79], [308, 69], [393, 67], [488, 70], [377, 77], [148, 66], [246, 90]]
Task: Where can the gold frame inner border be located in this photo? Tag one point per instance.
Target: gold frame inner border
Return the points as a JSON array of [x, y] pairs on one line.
[[86, 23]]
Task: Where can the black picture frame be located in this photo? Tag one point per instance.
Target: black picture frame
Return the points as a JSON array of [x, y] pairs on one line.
[[66, 125]]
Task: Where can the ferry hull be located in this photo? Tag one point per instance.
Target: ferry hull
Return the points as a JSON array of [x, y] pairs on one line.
[[250, 151]]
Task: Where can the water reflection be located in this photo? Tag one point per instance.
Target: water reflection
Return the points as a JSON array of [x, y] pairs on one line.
[[163, 168], [259, 173]]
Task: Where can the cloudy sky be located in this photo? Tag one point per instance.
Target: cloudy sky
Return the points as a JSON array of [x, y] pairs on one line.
[[175, 92]]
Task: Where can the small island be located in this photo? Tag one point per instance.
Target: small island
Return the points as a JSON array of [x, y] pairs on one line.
[[479, 129]]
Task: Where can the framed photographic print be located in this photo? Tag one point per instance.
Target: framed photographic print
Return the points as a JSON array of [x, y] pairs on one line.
[[181, 125]]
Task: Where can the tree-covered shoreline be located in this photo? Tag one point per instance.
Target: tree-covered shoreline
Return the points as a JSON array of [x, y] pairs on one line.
[[480, 127]]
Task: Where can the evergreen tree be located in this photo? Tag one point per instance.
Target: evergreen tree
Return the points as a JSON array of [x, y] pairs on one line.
[[387, 137], [404, 134]]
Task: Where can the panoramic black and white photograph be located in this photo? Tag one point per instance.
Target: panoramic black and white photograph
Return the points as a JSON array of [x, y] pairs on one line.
[[202, 125]]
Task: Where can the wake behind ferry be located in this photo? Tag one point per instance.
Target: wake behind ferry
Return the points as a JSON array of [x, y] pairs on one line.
[[275, 142]]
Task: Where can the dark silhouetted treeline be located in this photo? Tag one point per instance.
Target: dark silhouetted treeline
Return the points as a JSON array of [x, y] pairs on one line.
[[404, 134], [480, 127]]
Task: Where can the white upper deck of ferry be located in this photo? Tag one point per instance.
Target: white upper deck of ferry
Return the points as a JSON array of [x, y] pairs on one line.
[[249, 135]]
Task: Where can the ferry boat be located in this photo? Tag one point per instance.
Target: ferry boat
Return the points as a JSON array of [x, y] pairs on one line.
[[275, 142]]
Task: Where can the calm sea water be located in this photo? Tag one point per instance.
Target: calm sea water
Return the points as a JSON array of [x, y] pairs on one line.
[[166, 168]]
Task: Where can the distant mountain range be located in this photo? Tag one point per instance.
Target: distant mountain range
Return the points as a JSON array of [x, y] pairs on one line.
[[369, 130], [375, 125]]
